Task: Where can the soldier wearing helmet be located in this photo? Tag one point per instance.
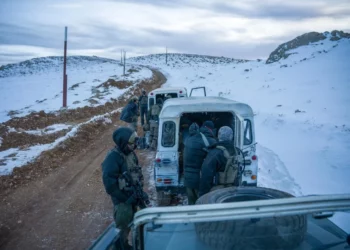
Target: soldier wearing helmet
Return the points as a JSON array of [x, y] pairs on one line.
[[122, 159], [130, 113]]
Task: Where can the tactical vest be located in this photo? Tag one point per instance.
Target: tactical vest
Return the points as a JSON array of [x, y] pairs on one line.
[[155, 111], [132, 168], [228, 176]]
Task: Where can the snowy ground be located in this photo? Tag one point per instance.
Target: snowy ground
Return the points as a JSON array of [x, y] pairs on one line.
[[302, 111], [36, 85]]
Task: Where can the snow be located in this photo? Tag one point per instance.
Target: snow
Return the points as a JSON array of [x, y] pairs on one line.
[[301, 106], [48, 130], [37, 84], [15, 157], [302, 112]]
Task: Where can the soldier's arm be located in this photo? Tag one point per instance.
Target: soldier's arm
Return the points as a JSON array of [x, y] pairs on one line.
[[111, 166], [208, 172]]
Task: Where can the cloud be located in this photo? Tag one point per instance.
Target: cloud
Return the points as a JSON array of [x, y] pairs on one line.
[[239, 29], [281, 10], [22, 35], [163, 3]]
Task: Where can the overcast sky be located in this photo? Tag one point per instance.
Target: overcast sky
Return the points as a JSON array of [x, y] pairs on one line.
[[243, 29]]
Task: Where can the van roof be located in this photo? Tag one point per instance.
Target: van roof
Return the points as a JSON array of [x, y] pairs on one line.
[[176, 106], [162, 90]]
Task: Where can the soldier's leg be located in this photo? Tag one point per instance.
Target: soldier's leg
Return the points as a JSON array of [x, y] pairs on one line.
[[155, 137], [143, 115], [151, 134], [191, 196], [123, 215]]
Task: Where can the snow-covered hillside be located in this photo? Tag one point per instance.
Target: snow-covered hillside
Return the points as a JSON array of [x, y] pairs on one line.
[[301, 105], [36, 84]]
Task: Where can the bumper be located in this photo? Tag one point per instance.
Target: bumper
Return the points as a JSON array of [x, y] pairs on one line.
[[244, 183], [172, 189]]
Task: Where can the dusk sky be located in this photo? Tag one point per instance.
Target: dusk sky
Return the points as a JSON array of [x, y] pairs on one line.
[[246, 29]]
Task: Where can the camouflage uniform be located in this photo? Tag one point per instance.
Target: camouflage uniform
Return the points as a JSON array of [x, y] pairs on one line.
[[143, 103], [123, 212], [119, 160], [219, 168], [154, 124]]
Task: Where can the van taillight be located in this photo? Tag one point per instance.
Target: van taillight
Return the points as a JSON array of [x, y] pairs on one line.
[[167, 181], [158, 160], [254, 157]]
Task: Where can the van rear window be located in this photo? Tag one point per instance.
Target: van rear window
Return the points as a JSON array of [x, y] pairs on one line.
[[168, 134], [248, 135]]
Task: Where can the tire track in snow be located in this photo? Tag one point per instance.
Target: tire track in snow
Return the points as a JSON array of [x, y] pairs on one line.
[[272, 172]]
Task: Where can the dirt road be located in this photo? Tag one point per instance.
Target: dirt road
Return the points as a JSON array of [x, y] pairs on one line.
[[68, 208]]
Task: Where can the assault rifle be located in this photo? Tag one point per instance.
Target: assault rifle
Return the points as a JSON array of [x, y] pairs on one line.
[[137, 192]]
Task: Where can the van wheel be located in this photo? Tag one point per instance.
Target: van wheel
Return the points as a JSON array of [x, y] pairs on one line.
[[286, 232], [164, 198]]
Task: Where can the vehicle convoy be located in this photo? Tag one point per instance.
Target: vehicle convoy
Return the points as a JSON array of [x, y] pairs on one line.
[[239, 218], [174, 120], [156, 98]]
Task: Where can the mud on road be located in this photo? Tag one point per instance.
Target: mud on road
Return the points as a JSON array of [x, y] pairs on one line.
[[65, 207]]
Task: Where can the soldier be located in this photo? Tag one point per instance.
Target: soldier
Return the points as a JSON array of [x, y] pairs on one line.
[[155, 110], [122, 159], [194, 154], [219, 168], [143, 103], [130, 113]]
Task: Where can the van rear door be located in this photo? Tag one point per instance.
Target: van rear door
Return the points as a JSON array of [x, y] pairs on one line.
[[238, 133], [198, 91]]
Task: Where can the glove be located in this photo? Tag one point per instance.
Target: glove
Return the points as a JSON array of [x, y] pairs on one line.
[[131, 200]]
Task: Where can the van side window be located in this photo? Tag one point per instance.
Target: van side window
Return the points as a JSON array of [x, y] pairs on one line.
[[248, 136], [168, 134]]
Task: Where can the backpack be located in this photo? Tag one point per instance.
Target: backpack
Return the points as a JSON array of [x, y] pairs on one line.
[[125, 115], [228, 176], [155, 110], [143, 100]]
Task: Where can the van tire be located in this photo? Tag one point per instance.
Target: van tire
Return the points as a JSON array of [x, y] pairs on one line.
[[263, 233], [164, 198]]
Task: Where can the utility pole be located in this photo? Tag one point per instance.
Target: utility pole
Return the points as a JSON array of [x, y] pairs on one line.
[[124, 62], [65, 78], [121, 56], [166, 55]]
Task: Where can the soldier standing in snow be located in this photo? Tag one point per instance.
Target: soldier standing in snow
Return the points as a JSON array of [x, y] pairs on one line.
[[120, 160]]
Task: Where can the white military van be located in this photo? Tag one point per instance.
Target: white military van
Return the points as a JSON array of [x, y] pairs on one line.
[[163, 92], [175, 118]]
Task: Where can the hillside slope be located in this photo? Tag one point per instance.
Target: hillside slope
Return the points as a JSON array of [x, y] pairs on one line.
[[302, 110], [36, 84]]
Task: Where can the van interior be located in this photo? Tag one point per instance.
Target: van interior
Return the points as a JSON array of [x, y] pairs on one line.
[[152, 101], [219, 118]]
